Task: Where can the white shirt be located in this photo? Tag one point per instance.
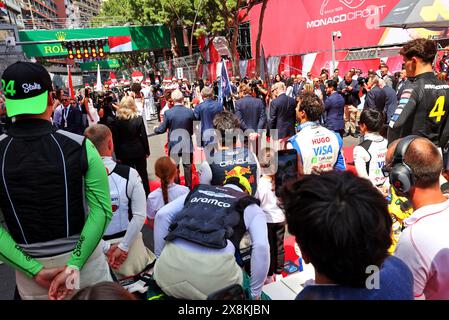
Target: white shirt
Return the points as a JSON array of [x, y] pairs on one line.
[[138, 205], [269, 201], [318, 92], [373, 158], [424, 247], [255, 223], [155, 199]]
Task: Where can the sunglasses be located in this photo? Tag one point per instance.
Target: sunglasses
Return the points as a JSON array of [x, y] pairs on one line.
[[65, 100]]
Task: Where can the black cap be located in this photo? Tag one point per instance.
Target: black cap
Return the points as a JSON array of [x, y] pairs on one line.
[[26, 86]]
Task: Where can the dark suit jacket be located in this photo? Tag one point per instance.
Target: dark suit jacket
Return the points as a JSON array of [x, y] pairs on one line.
[[334, 109], [206, 111], [74, 121], [283, 116], [130, 138], [391, 103], [351, 97], [251, 113], [178, 117], [376, 98]]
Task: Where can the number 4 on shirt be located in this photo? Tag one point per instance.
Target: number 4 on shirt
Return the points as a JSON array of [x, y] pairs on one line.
[[438, 110]]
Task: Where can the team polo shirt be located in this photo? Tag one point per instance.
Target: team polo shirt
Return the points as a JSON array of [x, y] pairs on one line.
[[318, 148], [369, 158], [424, 247]]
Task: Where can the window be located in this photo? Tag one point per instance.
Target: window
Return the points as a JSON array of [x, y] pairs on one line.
[[244, 41]]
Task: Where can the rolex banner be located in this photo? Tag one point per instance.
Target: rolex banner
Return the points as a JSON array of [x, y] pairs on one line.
[[120, 39]]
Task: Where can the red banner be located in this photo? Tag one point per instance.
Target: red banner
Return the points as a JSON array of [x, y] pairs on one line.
[[69, 76], [305, 26], [364, 65]]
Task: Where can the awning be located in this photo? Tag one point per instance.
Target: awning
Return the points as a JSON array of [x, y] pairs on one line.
[[418, 14]]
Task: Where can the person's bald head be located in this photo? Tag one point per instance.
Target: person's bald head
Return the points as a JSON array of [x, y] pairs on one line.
[[423, 158], [101, 137], [177, 96]]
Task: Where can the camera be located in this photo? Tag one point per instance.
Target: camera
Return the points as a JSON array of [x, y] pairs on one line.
[[255, 83], [337, 34]]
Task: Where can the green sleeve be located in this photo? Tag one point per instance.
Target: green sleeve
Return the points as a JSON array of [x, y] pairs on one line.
[[100, 209], [12, 254]]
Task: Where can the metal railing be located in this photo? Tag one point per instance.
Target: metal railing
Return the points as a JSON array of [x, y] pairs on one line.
[[187, 63], [75, 22]]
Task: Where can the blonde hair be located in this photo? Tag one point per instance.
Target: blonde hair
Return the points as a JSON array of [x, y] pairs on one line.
[[127, 109], [308, 87]]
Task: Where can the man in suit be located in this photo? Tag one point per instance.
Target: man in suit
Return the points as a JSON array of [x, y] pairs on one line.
[[249, 110], [319, 89], [179, 122], [282, 112], [350, 89], [376, 97], [71, 117], [384, 72], [297, 86], [334, 108], [391, 101], [402, 84], [251, 113], [205, 112]]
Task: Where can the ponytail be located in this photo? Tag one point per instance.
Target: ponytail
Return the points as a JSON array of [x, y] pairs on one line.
[[164, 187], [165, 169]]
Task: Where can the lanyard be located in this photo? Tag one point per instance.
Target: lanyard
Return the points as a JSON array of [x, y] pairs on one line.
[[65, 114]]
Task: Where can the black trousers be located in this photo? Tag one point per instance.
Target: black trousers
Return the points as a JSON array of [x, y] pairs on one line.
[[140, 164], [276, 233], [187, 162]]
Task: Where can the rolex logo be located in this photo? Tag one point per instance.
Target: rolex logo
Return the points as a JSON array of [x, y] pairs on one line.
[[61, 35]]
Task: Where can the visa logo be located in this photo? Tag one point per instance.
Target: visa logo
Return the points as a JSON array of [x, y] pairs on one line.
[[323, 150], [381, 164]]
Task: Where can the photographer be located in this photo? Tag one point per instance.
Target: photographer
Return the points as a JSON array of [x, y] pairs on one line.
[[106, 108], [349, 89], [257, 86]]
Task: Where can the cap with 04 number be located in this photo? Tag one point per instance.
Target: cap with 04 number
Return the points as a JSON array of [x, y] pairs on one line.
[[26, 86]]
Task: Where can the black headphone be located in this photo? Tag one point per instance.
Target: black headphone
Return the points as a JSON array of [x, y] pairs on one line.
[[445, 153], [401, 176]]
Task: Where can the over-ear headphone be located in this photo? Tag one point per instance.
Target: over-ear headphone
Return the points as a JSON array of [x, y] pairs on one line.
[[445, 153], [401, 175]]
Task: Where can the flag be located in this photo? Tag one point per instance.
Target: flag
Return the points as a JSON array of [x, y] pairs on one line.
[[224, 90], [120, 44], [69, 77], [99, 84], [263, 66], [3, 10]]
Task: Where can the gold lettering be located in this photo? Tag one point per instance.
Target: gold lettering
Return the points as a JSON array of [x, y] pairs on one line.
[[47, 49]]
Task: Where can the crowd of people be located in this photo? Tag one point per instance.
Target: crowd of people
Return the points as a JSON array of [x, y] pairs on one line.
[[75, 221]]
